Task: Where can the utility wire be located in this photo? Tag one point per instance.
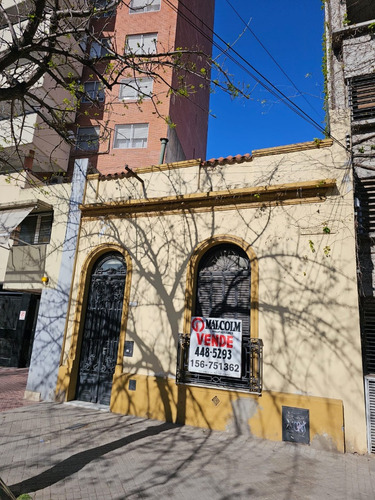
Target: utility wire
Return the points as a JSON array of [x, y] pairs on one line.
[[279, 92], [275, 92], [268, 85], [271, 56]]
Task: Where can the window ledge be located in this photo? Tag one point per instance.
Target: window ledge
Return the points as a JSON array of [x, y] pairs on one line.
[[351, 30]]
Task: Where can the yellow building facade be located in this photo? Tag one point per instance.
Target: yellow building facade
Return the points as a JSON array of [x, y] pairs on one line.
[[284, 217]]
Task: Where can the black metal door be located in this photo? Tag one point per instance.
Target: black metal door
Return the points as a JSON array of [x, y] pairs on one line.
[[101, 330], [18, 312]]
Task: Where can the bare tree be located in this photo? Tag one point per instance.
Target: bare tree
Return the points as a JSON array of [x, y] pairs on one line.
[[58, 39]]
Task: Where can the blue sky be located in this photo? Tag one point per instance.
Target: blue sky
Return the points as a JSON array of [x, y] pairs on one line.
[[291, 30]]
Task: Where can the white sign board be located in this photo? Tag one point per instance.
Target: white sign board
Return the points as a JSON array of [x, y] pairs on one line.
[[22, 315], [215, 346]]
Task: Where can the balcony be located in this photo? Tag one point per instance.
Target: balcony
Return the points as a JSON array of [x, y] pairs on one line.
[[28, 133], [26, 265], [63, 65]]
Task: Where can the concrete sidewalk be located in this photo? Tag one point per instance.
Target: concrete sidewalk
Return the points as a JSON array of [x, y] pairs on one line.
[[60, 452]]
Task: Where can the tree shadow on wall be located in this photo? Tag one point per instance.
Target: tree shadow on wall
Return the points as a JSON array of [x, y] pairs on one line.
[[303, 319]]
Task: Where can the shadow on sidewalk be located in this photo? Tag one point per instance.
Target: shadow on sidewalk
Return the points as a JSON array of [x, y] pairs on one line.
[[78, 461]]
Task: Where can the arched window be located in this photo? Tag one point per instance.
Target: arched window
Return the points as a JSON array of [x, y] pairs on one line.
[[222, 290], [223, 285]]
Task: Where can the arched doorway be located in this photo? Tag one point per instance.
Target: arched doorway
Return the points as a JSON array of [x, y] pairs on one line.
[[100, 335]]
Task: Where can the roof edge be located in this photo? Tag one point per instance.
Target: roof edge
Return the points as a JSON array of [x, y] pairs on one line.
[[213, 162]]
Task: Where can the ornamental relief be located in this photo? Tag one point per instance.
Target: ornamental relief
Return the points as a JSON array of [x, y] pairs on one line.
[[225, 260]]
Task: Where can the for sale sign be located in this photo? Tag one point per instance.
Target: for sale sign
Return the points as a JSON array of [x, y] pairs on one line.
[[215, 346]]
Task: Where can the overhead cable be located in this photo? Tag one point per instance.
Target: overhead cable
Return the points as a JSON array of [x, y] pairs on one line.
[[262, 80]]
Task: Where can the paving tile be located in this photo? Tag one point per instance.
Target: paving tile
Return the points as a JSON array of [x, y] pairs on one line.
[[44, 452]]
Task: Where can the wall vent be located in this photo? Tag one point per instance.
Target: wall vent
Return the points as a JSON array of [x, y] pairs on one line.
[[370, 411]]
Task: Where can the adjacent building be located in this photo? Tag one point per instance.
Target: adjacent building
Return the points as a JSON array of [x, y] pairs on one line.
[[33, 219], [350, 87], [142, 121], [152, 112], [26, 141]]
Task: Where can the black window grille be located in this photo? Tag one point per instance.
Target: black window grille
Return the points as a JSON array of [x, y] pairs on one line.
[[9, 311], [362, 97], [223, 291], [365, 205]]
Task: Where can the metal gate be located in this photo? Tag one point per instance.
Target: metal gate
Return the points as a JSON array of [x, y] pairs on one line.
[[18, 314], [101, 330]]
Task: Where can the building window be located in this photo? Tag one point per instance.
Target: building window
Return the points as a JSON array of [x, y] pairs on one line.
[[137, 6], [34, 230], [99, 49], [135, 89], [102, 4], [219, 350], [362, 97], [141, 44], [88, 139], [131, 136], [360, 11], [94, 91]]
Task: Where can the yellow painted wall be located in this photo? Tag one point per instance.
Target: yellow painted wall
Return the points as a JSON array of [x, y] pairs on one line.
[[308, 306], [161, 399]]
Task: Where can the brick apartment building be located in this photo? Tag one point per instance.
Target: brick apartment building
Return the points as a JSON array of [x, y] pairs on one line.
[[117, 130]]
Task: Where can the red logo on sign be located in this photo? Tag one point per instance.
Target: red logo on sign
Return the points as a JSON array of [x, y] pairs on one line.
[[197, 324]]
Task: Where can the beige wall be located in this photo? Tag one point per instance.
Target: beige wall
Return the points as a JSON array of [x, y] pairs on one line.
[[308, 313], [20, 188]]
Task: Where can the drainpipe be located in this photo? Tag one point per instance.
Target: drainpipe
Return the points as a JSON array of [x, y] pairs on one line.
[[164, 142]]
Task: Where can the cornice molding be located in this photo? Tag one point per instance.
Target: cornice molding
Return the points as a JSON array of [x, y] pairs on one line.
[[293, 148], [231, 199]]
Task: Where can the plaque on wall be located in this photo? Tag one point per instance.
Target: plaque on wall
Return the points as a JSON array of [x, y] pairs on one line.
[[132, 385], [128, 348], [296, 425]]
